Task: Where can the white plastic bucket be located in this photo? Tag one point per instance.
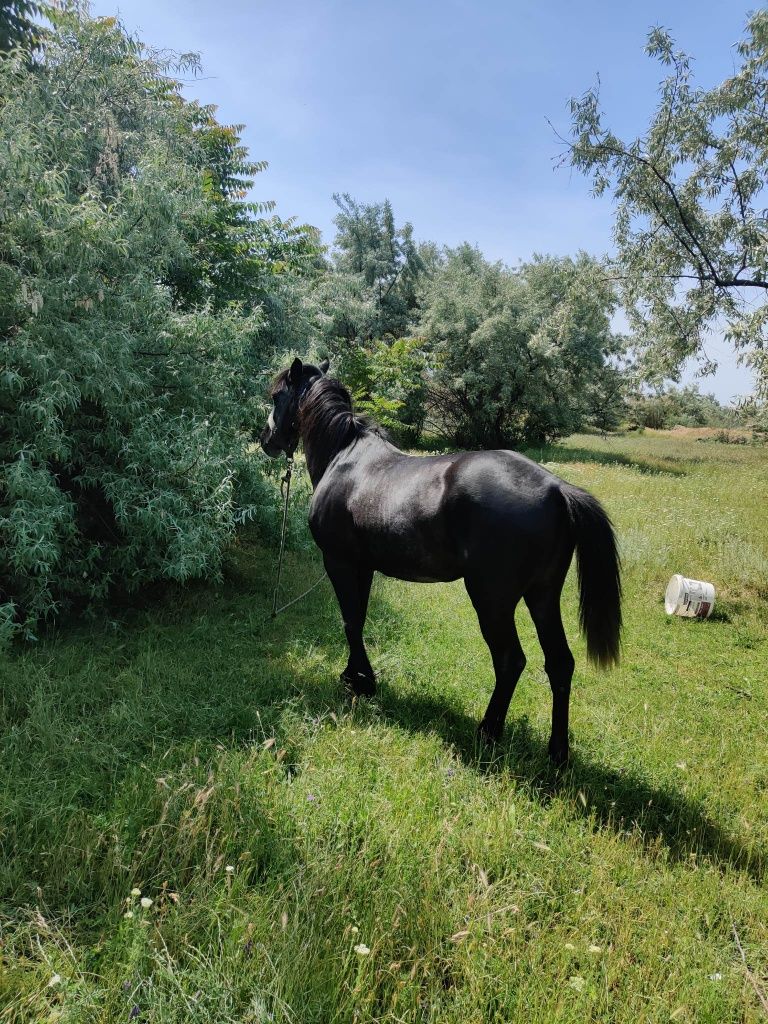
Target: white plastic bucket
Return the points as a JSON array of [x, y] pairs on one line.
[[693, 599]]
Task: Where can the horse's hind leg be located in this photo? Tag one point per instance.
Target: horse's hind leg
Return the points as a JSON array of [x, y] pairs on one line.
[[353, 587], [544, 607], [496, 615]]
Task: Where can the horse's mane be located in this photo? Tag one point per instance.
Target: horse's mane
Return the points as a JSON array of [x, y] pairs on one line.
[[326, 420]]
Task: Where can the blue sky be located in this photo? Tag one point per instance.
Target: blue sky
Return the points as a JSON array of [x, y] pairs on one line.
[[440, 106]]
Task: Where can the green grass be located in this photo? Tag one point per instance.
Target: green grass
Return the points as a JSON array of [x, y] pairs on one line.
[[156, 750]]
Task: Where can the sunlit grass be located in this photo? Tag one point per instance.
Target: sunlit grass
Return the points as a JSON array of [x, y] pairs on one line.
[[163, 748]]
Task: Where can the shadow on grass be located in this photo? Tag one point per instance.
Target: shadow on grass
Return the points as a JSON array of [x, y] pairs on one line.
[[214, 670], [622, 800], [565, 453]]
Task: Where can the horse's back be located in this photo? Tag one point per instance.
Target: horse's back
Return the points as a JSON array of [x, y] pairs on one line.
[[510, 508], [440, 517]]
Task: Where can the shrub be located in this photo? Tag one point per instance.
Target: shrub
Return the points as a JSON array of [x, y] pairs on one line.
[[517, 354], [685, 407], [124, 412], [386, 380]]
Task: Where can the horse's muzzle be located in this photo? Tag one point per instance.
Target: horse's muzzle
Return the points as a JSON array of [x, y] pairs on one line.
[[270, 444]]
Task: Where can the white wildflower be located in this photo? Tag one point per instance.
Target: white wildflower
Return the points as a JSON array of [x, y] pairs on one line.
[[362, 949], [146, 902]]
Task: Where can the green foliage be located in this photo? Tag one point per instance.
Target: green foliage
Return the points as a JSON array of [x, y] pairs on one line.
[[18, 27], [606, 393], [235, 254], [691, 229], [123, 403], [364, 291], [387, 381], [351, 308], [758, 420], [518, 355], [385, 259], [685, 407]]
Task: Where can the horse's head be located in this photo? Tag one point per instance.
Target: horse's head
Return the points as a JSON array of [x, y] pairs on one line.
[[281, 434]]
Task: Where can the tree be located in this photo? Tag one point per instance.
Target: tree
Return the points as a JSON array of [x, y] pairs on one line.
[[235, 253], [515, 353], [384, 259], [387, 380], [358, 307], [668, 407], [124, 400], [691, 229], [18, 28]]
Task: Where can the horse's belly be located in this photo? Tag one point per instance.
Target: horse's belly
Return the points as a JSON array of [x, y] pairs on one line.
[[415, 560], [411, 577]]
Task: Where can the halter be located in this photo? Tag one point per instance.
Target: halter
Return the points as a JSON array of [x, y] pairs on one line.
[[285, 492]]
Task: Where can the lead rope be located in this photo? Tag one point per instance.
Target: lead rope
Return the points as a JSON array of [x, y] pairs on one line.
[[285, 487]]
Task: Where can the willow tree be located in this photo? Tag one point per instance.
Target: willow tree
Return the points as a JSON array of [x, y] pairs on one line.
[[691, 230], [124, 387], [519, 356], [382, 260]]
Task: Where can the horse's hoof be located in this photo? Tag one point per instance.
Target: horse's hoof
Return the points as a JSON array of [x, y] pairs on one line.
[[359, 684], [489, 734], [558, 754]]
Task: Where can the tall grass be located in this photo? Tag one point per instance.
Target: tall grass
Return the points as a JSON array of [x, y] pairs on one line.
[[309, 860]]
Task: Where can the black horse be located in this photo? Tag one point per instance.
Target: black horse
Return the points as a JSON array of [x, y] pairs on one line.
[[501, 522]]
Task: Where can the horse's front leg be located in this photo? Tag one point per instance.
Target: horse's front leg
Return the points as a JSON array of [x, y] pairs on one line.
[[352, 586]]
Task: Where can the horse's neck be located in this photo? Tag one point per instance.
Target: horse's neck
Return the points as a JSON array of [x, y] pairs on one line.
[[320, 448], [317, 461]]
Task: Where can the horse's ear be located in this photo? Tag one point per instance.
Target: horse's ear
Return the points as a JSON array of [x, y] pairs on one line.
[[294, 374], [324, 366]]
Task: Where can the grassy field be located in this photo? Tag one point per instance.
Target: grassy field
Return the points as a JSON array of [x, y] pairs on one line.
[[312, 861]]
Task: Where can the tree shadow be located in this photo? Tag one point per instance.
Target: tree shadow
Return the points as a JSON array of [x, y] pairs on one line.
[[648, 465], [564, 452], [274, 670], [622, 799]]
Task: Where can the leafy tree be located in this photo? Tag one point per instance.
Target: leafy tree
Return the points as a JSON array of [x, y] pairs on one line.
[[515, 352], [385, 260], [18, 28], [687, 407], [351, 307], [387, 380], [691, 229], [235, 253], [122, 401], [606, 392]]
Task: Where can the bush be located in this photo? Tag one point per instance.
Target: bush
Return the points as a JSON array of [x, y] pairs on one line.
[[123, 412], [684, 407], [519, 356], [387, 381]]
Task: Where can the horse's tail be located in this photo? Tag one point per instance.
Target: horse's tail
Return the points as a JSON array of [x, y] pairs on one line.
[[599, 575]]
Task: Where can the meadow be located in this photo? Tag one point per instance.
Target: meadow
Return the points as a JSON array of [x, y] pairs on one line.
[[303, 859]]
